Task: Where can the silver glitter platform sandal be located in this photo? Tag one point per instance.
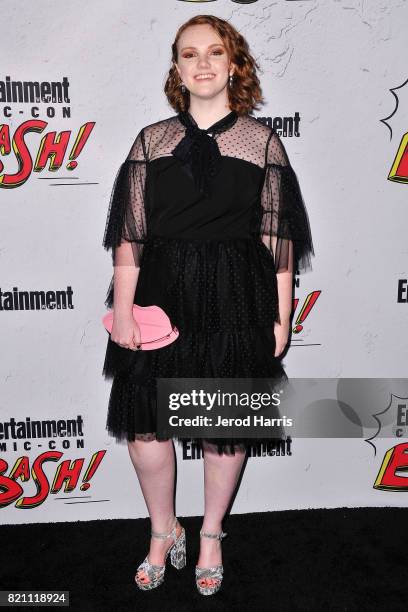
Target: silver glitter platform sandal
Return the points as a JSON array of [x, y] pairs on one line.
[[177, 552], [215, 572]]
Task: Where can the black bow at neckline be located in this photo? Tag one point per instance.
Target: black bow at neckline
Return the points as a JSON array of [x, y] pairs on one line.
[[198, 150]]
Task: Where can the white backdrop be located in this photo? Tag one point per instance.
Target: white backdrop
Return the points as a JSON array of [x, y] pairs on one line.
[[333, 63]]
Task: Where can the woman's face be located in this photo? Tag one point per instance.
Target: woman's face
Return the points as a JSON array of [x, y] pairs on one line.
[[203, 63]]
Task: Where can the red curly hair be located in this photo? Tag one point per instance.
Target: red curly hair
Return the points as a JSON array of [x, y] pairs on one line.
[[245, 94]]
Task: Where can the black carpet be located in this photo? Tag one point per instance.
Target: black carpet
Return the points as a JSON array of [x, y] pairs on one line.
[[340, 559]]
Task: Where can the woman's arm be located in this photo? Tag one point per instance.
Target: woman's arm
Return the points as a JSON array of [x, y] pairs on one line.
[[285, 290], [125, 281], [285, 230], [126, 234], [125, 330], [285, 282], [125, 277]]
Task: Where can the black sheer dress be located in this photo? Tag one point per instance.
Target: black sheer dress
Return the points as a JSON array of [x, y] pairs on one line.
[[212, 217]]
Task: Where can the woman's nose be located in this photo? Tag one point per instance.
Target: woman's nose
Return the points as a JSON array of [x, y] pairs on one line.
[[203, 62]]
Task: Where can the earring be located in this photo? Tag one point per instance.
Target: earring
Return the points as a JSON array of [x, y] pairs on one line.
[[183, 88], [230, 80]]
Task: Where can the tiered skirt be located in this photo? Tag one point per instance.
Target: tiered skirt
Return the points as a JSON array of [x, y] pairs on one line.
[[222, 296]]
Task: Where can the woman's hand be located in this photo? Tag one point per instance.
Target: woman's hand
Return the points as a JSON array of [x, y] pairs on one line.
[[125, 332], [281, 331]]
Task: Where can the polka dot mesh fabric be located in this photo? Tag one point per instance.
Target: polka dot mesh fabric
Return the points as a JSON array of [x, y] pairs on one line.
[[210, 260]]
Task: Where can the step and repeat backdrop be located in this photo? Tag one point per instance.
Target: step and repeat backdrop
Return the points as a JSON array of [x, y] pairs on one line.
[[75, 89]]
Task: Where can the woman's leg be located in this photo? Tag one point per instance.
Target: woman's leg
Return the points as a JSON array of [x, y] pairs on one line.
[[221, 473], [154, 463]]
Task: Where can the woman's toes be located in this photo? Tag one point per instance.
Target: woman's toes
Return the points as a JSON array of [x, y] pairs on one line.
[[207, 582], [142, 576]]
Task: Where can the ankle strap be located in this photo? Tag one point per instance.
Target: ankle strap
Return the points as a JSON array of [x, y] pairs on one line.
[[219, 536], [163, 536]]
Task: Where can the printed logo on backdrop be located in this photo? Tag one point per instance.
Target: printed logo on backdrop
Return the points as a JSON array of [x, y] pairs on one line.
[[378, 407], [393, 422], [392, 414], [18, 299], [399, 168], [46, 464], [398, 173], [54, 151], [29, 481]]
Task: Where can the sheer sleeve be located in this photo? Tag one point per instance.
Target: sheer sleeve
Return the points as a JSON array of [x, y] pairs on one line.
[[285, 228], [125, 230]]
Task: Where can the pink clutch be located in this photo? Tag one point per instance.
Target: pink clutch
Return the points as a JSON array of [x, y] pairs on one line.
[[156, 329]]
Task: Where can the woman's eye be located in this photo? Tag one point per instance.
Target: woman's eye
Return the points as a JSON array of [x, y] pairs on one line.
[[216, 52]]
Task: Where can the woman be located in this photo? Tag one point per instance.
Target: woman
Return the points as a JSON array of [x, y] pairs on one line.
[[207, 221]]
